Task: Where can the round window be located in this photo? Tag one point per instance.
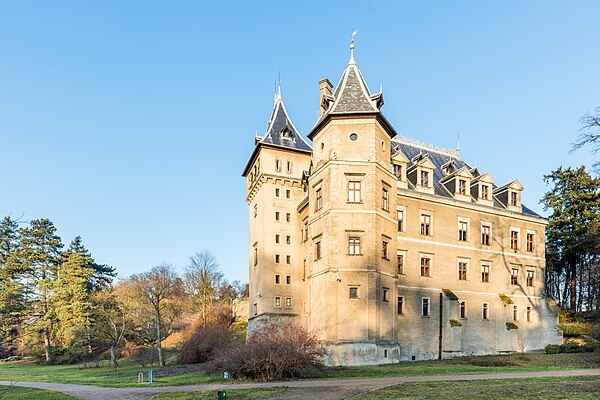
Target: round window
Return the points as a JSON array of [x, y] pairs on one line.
[[354, 137]]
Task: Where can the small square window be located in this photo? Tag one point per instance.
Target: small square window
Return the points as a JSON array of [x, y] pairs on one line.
[[353, 292]]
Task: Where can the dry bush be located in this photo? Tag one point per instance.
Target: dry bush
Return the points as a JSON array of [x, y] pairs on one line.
[[274, 352], [205, 343]]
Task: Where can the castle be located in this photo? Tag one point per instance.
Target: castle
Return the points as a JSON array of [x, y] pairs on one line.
[[385, 248]]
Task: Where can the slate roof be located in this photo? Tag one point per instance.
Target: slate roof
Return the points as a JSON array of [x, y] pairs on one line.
[[352, 94], [439, 157]]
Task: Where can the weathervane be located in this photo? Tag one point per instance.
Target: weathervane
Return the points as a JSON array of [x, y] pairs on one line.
[[354, 32]]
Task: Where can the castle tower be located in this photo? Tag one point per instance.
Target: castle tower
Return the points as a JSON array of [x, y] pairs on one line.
[[274, 188]]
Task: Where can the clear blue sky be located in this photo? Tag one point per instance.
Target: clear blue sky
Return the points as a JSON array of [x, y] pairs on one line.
[[129, 123]]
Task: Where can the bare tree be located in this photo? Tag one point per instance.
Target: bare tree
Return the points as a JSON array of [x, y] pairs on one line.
[[110, 322], [202, 278], [589, 133]]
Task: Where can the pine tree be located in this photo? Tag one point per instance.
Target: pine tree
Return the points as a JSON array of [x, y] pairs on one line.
[[103, 274]]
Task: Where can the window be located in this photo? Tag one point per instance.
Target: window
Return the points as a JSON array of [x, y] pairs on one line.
[[305, 231], [385, 296], [463, 226], [462, 271], [485, 192], [255, 210], [288, 217], [515, 313], [288, 194], [485, 311], [425, 224], [530, 242], [400, 263], [288, 302], [528, 313], [277, 165], [288, 259], [425, 178], [514, 240], [277, 239], [276, 215], [384, 199], [288, 279], [277, 258], [398, 171], [353, 292], [255, 255], [255, 308], [289, 167], [317, 250], [485, 273], [384, 250], [514, 199], [354, 137], [277, 301], [400, 305], [425, 307], [530, 277], [277, 279], [514, 276], [486, 233], [276, 192], [353, 246], [319, 195], [354, 192], [462, 186], [425, 266], [288, 239], [462, 309], [400, 220]]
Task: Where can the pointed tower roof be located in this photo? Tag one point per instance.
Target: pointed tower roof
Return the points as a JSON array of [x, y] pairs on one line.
[[280, 132]]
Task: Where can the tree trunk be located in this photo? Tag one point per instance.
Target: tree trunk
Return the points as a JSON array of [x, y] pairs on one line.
[[573, 282], [113, 355], [161, 361], [88, 334], [47, 344]]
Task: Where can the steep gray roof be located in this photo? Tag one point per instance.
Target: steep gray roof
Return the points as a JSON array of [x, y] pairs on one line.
[[352, 94]]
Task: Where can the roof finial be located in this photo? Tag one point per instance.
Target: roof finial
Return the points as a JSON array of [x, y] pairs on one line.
[[278, 88], [458, 144], [354, 32]]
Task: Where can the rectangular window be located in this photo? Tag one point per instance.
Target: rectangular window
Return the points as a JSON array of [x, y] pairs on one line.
[[384, 250], [353, 292], [485, 273], [353, 246], [486, 234], [514, 199], [463, 309], [530, 277], [277, 239], [305, 231], [255, 210], [277, 165], [317, 250], [288, 194], [514, 240], [288, 239], [425, 178], [463, 227], [276, 215], [289, 167], [425, 224], [400, 220], [425, 307], [288, 217], [485, 311], [485, 192], [288, 279], [277, 301], [400, 305], [398, 171], [515, 313], [277, 258], [288, 302], [277, 192], [384, 199], [354, 192], [319, 195], [514, 276], [288, 259], [255, 308], [399, 263], [462, 186], [530, 242], [277, 279], [528, 311], [255, 255], [425, 266], [462, 271], [385, 294]]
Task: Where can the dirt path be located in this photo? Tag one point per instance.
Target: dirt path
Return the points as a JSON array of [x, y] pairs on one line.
[[334, 389]]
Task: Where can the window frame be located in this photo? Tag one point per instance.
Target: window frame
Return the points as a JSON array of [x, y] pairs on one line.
[[426, 225], [425, 267], [318, 199], [353, 292], [354, 191], [400, 305], [462, 309], [487, 274], [514, 276], [385, 199], [486, 234], [463, 267], [529, 277], [425, 307], [485, 311]]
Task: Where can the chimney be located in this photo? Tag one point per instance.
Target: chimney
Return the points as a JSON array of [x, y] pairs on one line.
[[324, 94]]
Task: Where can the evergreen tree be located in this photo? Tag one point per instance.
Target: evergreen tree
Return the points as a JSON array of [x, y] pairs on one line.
[[39, 257], [102, 275]]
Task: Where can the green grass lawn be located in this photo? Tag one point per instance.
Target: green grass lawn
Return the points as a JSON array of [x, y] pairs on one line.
[[21, 393], [472, 365], [233, 394], [123, 376], [572, 388]]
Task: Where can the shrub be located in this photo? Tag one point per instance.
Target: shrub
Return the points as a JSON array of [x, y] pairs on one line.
[[575, 329], [572, 347], [205, 343], [274, 352]]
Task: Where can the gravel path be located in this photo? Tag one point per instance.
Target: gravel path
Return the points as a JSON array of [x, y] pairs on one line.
[[333, 389]]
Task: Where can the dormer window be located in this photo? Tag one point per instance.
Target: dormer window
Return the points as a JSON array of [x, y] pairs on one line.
[[286, 132], [398, 171], [462, 186], [514, 199], [485, 192], [424, 178]]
